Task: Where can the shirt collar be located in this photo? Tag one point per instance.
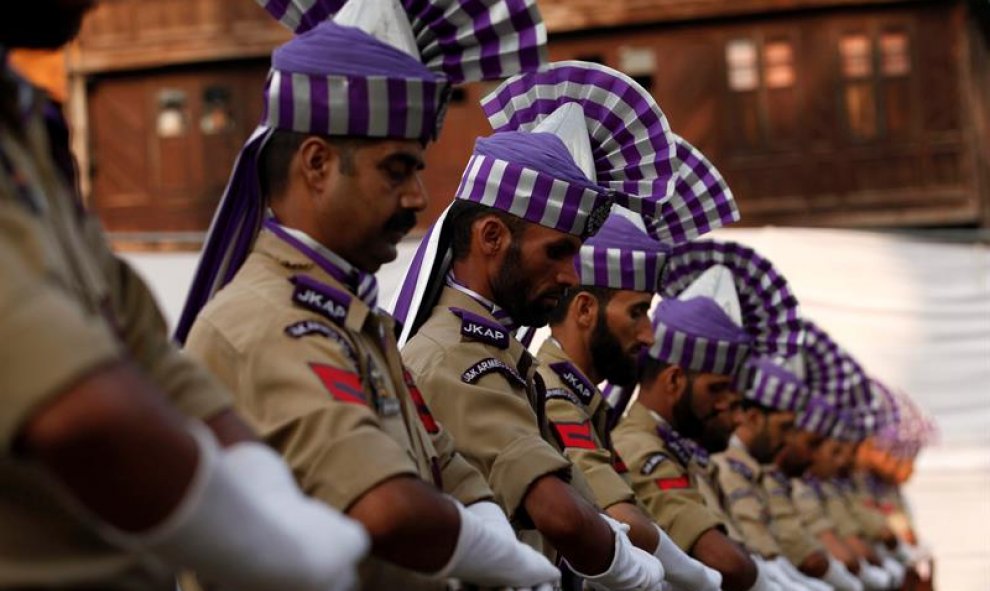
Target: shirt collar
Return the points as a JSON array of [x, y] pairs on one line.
[[364, 285], [494, 309]]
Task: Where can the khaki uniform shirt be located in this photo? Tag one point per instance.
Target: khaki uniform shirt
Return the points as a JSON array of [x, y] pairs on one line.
[[665, 479], [839, 511], [578, 416], [809, 500], [744, 499], [483, 386], [796, 542], [68, 307], [872, 522], [318, 374]]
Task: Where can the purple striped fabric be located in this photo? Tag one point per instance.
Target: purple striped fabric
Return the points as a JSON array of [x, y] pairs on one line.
[[697, 335], [818, 416], [770, 311], [632, 144], [621, 256], [635, 150], [767, 382], [465, 40], [831, 371], [702, 201]]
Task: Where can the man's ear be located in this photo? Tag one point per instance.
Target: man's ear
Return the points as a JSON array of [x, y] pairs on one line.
[[674, 381], [317, 162], [491, 234], [584, 307]]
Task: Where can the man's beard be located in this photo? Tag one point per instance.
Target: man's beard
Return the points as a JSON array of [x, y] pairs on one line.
[[760, 448], [610, 361], [686, 423], [511, 288], [402, 221], [790, 465]]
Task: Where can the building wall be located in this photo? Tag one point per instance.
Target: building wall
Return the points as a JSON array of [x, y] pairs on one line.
[[839, 116]]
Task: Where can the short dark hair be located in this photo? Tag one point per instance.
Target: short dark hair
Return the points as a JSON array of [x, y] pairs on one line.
[[461, 218], [602, 294], [275, 157], [748, 403], [650, 369]]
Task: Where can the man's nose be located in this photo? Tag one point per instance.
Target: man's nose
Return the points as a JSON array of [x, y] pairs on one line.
[[566, 274], [414, 195]]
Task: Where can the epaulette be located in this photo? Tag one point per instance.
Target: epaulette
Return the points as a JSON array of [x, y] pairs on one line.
[[577, 383], [479, 328], [325, 300]]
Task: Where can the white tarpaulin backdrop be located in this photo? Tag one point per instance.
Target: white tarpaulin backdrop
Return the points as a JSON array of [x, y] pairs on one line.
[[916, 313]]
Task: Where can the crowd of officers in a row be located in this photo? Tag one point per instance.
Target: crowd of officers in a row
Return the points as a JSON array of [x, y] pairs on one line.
[[307, 439]]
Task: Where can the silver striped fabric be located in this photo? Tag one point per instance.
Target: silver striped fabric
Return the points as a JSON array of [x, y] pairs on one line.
[[773, 386], [696, 353], [817, 416]]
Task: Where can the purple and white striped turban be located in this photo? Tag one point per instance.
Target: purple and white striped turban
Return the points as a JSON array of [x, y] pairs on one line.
[[845, 427], [635, 151], [697, 335], [770, 312], [818, 416], [337, 80], [563, 167], [831, 371], [767, 382], [465, 40], [621, 256]]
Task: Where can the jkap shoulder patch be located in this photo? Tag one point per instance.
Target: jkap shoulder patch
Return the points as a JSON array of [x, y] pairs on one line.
[[572, 378], [576, 435], [325, 300], [652, 462], [343, 385], [479, 328], [741, 469], [421, 408], [489, 365]]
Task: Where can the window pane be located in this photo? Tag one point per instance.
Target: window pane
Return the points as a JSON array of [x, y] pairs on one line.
[[895, 59], [778, 60], [861, 109], [740, 55], [217, 117], [172, 120], [857, 56]]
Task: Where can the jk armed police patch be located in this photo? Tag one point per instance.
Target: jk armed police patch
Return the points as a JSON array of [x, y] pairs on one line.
[[489, 365], [652, 462], [572, 378]]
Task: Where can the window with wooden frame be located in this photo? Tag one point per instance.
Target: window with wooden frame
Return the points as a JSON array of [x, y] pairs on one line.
[[875, 68], [762, 80]]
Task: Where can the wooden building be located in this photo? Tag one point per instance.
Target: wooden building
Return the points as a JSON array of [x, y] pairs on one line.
[[869, 113]]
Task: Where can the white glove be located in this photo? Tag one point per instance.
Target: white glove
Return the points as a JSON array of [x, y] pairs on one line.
[[632, 569], [486, 556], [493, 517], [839, 577], [683, 572], [243, 524], [773, 572], [763, 581], [801, 579], [896, 571], [874, 578]]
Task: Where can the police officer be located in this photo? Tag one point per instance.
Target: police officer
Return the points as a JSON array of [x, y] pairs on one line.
[[800, 543], [687, 400], [503, 255], [297, 334], [597, 332], [121, 460], [772, 396]]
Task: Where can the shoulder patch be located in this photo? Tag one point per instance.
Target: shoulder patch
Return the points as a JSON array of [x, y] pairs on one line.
[[741, 493], [421, 408], [676, 483], [325, 300], [479, 328], [305, 328], [652, 462], [740, 468], [679, 446], [576, 435], [343, 385], [571, 376], [563, 394], [489, 365]]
